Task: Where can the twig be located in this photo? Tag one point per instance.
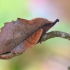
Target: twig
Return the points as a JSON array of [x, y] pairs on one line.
[[53, 34]]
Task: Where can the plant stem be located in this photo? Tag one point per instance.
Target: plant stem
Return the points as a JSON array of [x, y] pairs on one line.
[[53, 34]]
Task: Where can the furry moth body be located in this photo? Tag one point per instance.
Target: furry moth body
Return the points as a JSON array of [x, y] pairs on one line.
[[17, 36]]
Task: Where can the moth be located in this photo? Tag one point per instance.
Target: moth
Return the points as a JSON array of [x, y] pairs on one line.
[[17, 36]]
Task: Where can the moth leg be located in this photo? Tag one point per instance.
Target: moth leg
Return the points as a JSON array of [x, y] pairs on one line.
[[43, 33]]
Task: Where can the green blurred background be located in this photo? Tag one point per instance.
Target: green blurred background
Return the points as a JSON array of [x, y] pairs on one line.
[[53, 54]]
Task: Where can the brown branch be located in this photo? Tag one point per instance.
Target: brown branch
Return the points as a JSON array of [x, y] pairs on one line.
[[54, 34]]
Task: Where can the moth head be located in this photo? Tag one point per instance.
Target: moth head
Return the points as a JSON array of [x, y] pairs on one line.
[[49, 24], [43, 23]]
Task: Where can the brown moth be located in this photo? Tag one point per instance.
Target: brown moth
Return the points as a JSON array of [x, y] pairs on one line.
[[17, 36]]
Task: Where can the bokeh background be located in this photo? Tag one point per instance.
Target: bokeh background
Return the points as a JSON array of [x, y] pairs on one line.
[[53, 54]]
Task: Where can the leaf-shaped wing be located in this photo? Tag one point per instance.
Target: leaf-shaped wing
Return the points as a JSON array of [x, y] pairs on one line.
[[13, 33]]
